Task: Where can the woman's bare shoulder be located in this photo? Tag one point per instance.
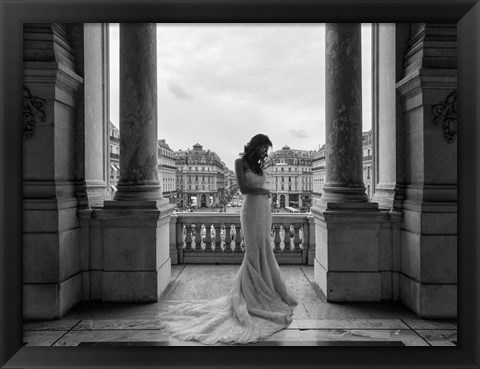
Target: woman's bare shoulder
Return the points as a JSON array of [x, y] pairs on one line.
[[241, 163]]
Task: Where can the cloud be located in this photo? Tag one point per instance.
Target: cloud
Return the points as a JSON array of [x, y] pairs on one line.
[[178, 91], [301, 133]]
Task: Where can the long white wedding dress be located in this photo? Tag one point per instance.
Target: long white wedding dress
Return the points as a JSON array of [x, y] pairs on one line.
[[259, 303]]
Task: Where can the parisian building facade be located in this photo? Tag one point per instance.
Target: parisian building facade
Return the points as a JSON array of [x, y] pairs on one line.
[[202, 178], [167, 170], [199, 178], [289, 174], [114, 155], [196, 178], [367, 138]]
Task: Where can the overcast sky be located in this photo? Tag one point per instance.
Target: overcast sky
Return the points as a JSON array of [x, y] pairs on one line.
[[219, 85]]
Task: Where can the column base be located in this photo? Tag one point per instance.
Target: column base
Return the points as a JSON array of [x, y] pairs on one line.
[[429, 301], [389, 197], [347, 252], [51, 301], [332, 194], [138, 192], [348, 286], [136, 263], [136, 286]]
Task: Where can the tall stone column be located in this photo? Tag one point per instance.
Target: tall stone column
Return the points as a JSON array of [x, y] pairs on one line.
[[135, 225], [138, 113], [343, 114], [347, 226]]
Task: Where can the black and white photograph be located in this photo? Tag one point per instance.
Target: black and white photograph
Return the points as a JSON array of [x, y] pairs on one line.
[[232, 184], [243, 184]]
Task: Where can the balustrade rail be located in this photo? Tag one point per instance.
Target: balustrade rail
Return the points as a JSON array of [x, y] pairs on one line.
[[218, 238]]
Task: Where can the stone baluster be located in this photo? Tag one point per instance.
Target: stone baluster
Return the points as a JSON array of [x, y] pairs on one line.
[[218, 238], [228, 237], [188, 238], [286, 238], [208, 237], [238, 239], [276, 238], [296, 237], [198, 237]]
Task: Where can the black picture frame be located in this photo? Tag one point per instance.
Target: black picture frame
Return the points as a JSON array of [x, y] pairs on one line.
[[466, 13]]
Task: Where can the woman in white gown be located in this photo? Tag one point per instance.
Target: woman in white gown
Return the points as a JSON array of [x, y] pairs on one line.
[[259, 303]]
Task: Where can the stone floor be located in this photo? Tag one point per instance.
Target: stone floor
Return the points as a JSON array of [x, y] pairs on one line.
[[315, 322]]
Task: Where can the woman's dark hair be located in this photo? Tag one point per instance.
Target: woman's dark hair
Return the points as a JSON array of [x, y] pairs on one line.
[[252, 152]]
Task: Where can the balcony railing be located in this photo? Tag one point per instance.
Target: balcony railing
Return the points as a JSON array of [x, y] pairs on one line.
[[217, 238]]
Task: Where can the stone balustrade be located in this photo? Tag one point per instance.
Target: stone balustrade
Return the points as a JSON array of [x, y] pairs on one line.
[[217, 238]]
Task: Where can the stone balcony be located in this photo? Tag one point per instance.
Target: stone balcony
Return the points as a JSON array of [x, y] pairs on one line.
[[217, 238]]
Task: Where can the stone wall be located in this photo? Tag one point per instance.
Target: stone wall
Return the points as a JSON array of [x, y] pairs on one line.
[[51, 247], [428, 281]]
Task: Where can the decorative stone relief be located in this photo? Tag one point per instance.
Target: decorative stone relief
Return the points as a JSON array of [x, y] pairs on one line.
[[33, 111], [446, 116]]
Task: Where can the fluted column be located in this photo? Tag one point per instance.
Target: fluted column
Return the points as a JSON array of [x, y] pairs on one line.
[[343, 100], [138, 113]]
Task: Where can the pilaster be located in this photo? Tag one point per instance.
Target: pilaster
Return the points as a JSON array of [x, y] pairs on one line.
[[429, 235], [51, 248]]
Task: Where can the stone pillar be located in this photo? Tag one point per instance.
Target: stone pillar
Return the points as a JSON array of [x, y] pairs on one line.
[[136, 247], [90, 41], [138, 113], [343, 114], [388, 182], [428, 279], [91, 169], [388, 44], [51, 232], [347, 226]]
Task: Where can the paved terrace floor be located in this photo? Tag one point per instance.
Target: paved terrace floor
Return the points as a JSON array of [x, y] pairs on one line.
[[315, 322]]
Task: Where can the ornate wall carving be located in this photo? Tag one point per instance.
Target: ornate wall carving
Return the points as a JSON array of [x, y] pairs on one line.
[[33, 112], [446, 116]]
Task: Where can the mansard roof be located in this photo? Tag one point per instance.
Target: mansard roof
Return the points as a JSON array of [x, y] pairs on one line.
[[163, 144]]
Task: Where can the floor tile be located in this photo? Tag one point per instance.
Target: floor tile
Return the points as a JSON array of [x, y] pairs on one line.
[[50, 325], [111, 324], [73, 338], [431, 324], [41, 338], [348, 324], [299, 284], [439, 337], [408, 337], [176, 270], [199, 282], [323, 310], [299, 312]]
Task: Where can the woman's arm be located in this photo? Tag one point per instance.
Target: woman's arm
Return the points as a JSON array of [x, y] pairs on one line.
[[240, 167]]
